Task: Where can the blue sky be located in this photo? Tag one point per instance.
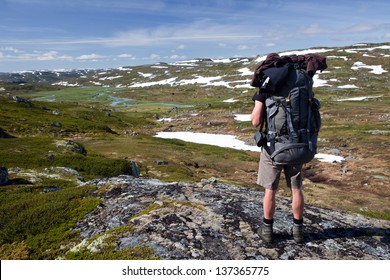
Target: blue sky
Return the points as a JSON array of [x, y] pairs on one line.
[[64, 34]]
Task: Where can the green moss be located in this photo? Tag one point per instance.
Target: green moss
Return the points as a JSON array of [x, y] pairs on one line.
[[14, 251], [147, 210], [107, 248], [92, 166], [45, 118], [103, 189], [136, 253], [173, 204], [375, 214], [42, 220], [121, 229], [32, 152]]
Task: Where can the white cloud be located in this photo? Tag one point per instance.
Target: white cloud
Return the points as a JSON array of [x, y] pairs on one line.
[[314, 29], [90, 56], [34, 56], [243, 47], [199, 31], [10, 49], [360, 28], [125, 55], [118, 5], [270, 45], [154, 56], [174, 56], [51, 55]]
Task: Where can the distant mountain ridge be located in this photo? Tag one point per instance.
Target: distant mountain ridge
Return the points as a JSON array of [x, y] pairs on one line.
[[42, 76]]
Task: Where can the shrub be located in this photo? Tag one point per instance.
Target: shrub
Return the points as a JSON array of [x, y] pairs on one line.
[[95, 166], [42, 220], [14, 251]]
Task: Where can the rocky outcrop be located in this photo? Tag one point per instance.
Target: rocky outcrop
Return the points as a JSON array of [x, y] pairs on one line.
[[209, 220], [4, 134], [71, 146], [22, 100], [3, 175], [30, 176]]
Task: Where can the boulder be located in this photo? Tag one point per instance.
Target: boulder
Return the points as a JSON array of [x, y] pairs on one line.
[[4, 134], [50, 189], [3, 175], [71, 146], [56, 124], [135, 170], [25, 101]]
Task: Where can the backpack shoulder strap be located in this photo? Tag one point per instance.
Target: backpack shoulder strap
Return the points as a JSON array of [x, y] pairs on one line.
[[290, 126], [310, 104]]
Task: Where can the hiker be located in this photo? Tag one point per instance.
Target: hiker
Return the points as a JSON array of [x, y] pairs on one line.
[[268, 177], [278, 79]]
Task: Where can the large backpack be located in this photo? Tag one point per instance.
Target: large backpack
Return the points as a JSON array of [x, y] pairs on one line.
[[293, 119]]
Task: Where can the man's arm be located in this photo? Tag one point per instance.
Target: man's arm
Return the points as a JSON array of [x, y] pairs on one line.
[[257, 113]]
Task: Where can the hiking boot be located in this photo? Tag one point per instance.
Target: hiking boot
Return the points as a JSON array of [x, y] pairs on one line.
[[266, 232], [297, 233]]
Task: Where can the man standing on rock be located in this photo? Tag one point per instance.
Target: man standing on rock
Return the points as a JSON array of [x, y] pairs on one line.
[[268, 177], [289, 139]]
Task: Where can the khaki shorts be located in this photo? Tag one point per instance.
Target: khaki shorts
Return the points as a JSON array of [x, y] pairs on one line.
[[269, 173]]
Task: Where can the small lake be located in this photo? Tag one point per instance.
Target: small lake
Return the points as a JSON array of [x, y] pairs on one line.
[[94, 94], [120, 101]]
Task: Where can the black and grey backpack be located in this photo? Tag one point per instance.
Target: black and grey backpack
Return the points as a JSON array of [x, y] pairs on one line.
[[293, 118]]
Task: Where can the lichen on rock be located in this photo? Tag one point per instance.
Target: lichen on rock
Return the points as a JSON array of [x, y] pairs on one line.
[[210, 220]]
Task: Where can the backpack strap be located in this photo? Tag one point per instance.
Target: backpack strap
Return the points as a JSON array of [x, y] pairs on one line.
[[309, 142], [310, 101], [273, 105], [264, 121], [290, 126]]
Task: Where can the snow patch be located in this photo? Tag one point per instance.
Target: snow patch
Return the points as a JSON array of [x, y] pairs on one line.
[[145, 75], [375, 69], [317, 82], [229, 141], [347, 86], [220, 140], [245, 71], [230, 100], [329, 158], [242, 117], [66, 84], [110, 78], [360, 98]]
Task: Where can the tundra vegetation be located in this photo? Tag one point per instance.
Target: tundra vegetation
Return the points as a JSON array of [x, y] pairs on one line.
[[94, 125]]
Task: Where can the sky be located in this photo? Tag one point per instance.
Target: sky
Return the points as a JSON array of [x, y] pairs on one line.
[[79, 34]]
